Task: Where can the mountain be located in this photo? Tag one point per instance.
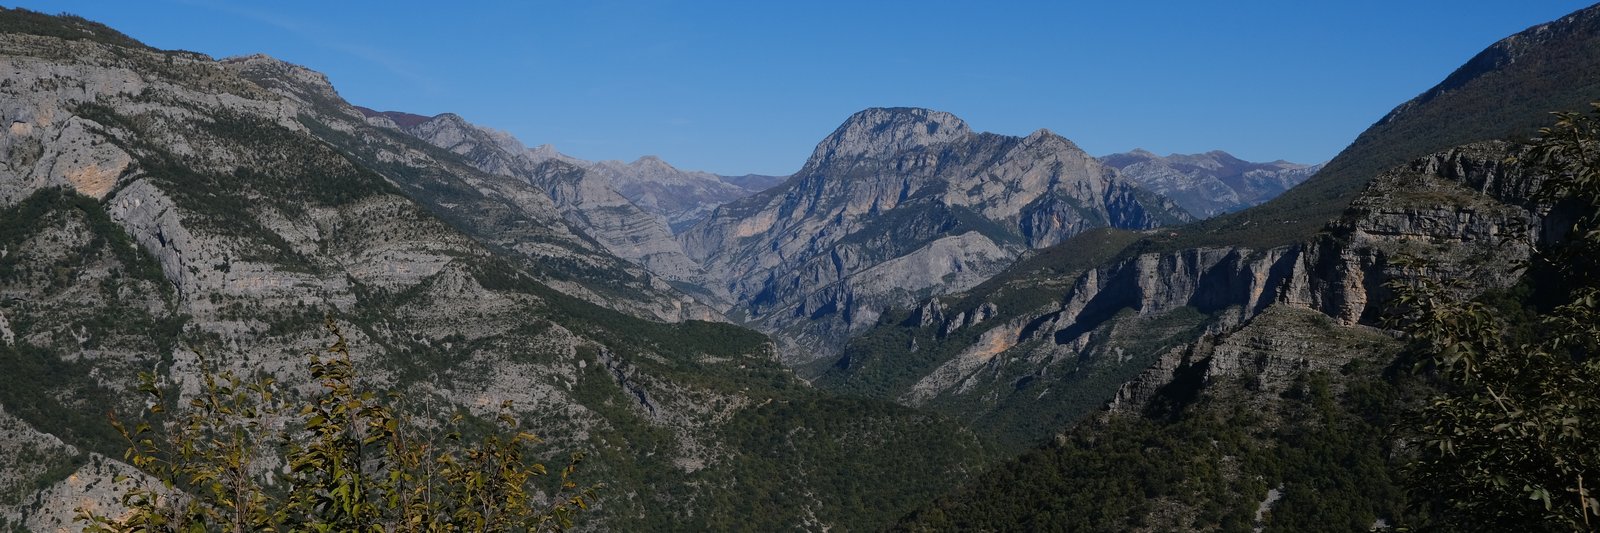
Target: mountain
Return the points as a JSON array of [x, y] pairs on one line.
[[679, 197], [1251, 340], [1505, 91], [895, 205], [1211, 183], [682, 197], [1268, 361], [1051, 339], [501, 211], [161, 211], [755, 182], [587, 198]]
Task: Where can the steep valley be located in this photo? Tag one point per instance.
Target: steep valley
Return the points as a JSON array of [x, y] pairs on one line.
[[925, 328], [166, 211]]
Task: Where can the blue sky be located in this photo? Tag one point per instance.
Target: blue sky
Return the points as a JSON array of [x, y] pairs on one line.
[[751, 86]]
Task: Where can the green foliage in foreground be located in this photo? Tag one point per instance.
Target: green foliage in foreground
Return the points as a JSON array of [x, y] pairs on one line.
[[1513, 442], [354, 463]]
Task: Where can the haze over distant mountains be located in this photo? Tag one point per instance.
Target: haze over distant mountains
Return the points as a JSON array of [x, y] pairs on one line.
[[1211, 183], [680, 197]]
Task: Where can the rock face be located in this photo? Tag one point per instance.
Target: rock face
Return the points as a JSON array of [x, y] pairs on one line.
[[160, 211], [586, 198], [1211, 183], [497, 209], [682, 197], [898, 204]]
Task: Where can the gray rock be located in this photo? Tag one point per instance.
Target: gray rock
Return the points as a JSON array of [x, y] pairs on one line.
[[1267, 315], [898, 205], [587, 199], [1211, 183]]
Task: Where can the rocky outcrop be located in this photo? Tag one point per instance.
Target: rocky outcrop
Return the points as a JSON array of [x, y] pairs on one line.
[[28, 459], [1211, 183], [96, 487], [494, 208], [897, 183]]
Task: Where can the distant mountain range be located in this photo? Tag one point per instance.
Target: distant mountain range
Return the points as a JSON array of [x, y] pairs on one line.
[[1211, 183], [679, 197]]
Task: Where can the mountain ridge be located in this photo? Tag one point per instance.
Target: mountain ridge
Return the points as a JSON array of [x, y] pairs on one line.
[[908, 194], [1210, 183], [679, 197], [1471, 104]]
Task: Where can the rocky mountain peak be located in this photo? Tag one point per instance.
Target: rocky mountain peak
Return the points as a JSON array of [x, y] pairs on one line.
[[881, 131], [1044, 138], [450, 130], [651, 163], [277, 73], [450, 120], [545, 152]]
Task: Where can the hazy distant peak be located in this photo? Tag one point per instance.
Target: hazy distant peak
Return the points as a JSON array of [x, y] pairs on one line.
[[1210, 183], [652, 163]]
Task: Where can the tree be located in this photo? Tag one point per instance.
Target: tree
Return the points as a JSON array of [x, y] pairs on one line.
[[1512, 443], [350, 461]]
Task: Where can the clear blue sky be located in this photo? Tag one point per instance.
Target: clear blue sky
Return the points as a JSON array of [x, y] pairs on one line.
[[752, 85]]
